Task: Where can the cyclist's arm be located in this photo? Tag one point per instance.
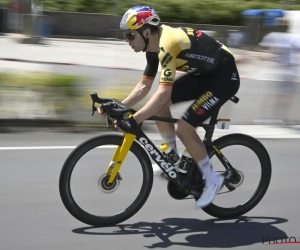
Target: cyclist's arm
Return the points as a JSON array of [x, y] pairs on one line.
[[144, 85], [162, 96], [138, 93]]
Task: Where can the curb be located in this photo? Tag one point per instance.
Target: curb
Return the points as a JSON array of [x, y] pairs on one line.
[[62, 63], [94, 66], [239, 61], [54, 38]]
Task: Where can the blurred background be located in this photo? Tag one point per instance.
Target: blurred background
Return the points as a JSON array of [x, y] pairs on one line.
[[53, 53]]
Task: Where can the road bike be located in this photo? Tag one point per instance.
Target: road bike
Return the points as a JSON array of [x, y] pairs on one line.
[[179, 186]]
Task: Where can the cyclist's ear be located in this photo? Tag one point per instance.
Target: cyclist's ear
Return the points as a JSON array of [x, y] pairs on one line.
[[147, 33]]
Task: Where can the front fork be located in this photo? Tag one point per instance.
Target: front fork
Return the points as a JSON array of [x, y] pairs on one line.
[[119, 156]]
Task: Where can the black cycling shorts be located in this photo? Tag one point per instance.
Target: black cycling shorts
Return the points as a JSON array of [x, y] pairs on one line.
[[210, 92]]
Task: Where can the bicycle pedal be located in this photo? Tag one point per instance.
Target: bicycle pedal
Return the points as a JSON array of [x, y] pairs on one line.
[[230, 187], [192, 192]]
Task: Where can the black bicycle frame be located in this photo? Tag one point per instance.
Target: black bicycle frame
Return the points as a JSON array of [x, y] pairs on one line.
[[209, 130]]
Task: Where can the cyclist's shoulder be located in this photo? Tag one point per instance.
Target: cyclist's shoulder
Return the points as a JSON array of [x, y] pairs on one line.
[[166, 35], [170, 34], [172, 39]]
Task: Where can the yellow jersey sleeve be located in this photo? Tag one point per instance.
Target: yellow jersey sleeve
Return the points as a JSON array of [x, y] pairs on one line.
[[168, 70], [169, 50]]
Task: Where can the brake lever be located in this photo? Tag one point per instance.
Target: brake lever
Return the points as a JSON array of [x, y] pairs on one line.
[[108, 122], [93, 108]]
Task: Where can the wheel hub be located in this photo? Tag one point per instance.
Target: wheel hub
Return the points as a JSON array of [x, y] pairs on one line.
[[237, 179], [106, 187]]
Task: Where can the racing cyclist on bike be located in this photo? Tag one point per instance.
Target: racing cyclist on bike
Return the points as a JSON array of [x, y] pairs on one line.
[[211, 80]]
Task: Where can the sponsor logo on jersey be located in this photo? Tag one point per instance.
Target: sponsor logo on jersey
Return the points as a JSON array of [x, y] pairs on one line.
[[206, 101], [201, 58], [200, 112], [198, 33], [167, 58], [191, 70], [167, 72], [167, 79], [210, 103], [234, 77], [183, 68]]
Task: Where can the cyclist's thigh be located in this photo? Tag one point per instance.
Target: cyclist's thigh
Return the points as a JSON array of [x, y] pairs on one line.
[[187, 87], [219, 88]]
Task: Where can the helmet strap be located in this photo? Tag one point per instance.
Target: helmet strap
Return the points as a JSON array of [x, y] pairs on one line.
[[146, 40]]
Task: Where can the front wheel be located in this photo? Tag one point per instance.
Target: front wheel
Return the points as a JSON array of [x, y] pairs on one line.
[[83, 175], [248, 156]]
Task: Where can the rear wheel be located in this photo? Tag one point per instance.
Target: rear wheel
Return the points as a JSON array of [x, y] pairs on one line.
[[260, 159], [99, 182]]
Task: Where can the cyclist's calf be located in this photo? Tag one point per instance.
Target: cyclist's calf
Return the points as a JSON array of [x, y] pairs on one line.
[[188, 136], [165, 128]]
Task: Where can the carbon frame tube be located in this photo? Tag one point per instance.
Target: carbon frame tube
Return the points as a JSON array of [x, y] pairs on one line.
[[158, 157]]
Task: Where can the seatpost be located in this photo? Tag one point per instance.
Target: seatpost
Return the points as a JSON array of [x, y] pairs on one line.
[[211, 127]]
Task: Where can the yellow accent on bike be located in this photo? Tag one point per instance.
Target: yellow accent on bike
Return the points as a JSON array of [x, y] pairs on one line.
[[120, 155], [217, 150], [113, 161], [164, 146], [127, 142]]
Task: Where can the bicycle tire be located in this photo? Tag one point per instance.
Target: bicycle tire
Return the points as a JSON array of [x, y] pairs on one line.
[[266, 173], [70, 163]]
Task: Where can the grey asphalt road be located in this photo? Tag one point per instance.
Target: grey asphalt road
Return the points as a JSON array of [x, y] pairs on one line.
[[33, 216]]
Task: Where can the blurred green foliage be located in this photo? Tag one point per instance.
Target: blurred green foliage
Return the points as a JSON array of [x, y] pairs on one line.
[[55, 94], [57, 90], [221, 12], [60, 84], [119, 89]]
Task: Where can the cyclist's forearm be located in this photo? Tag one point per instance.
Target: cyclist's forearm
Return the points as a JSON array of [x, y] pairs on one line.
[[137, 94], [156, 103]]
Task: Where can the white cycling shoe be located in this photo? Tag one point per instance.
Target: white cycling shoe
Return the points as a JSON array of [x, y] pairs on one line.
[[209, 193]]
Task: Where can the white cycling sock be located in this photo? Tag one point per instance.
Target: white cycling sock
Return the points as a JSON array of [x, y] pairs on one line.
[[211, 176], [171, 139]]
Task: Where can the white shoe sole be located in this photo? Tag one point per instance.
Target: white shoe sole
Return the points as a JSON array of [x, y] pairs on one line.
[[220, 185]]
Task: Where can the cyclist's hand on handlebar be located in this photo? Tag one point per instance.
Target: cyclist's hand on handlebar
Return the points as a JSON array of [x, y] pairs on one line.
[[100, 111], [128, 125], [115, 124]]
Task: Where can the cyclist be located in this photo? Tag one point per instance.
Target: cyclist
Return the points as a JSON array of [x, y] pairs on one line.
[[212, 78]]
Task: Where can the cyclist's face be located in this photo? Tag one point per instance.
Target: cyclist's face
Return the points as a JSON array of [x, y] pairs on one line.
[[135, 40]]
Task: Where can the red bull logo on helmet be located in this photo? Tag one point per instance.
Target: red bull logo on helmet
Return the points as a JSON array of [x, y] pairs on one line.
[[137, 16], [143, 14], [142, 17]]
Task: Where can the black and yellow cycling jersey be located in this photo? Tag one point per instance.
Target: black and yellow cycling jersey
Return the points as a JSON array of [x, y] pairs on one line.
[[183, 49]]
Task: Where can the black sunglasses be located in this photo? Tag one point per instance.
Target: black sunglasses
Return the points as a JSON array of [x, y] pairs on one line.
[[130, 35]]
